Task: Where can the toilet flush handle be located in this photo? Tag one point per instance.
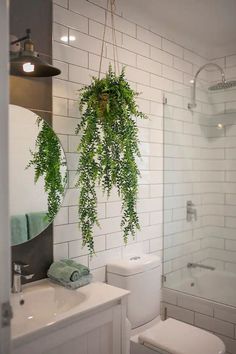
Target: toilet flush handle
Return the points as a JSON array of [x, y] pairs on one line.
[[135, 258]]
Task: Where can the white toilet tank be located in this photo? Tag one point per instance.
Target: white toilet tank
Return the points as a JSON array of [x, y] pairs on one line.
[[141, 275]]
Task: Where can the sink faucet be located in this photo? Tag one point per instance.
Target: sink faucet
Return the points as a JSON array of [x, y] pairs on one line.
[[18, 274]]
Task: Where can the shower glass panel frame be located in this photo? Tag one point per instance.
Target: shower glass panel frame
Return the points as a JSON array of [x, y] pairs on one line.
[[199, 250]]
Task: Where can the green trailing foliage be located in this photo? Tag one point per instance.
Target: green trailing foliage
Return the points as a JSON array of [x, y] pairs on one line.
[[48, 161], [108, 151]]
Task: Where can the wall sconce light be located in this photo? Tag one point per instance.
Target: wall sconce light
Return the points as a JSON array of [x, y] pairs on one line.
[[26, 62]]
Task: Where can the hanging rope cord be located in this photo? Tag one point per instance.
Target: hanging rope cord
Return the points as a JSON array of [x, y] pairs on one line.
[[111, 7]]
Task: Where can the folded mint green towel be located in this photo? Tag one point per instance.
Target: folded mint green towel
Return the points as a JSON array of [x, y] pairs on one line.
[[19, 231], [83, 270], [62, 272], [82, 281], [37, 222]]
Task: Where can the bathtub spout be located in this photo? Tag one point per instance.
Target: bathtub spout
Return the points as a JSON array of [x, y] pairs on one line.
[[197, 265]]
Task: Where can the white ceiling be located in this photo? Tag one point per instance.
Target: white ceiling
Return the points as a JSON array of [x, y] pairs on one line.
[[205, 26]]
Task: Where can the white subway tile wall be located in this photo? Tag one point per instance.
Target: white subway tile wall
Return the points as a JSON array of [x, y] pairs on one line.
[[199, 158], [222, 233], [200, 166], [214, 317], [154, 65]]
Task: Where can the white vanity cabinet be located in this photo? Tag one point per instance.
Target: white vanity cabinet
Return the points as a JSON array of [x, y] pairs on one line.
[[98, 330], [98, 334]]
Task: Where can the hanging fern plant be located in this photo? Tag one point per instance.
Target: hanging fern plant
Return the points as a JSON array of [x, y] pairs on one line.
[[47, 160], [108, 151]]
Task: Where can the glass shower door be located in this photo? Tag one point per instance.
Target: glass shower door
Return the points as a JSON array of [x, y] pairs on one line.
[[180, 134], [200, 194]]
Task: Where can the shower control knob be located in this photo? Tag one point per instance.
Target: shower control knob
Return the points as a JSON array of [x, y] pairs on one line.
[[191, 212]]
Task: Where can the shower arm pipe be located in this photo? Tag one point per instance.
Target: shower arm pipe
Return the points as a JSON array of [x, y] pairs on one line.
[[193, 104]]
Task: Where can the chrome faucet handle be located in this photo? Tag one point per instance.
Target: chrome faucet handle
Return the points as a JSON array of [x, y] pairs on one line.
[[27, 276], [18, 275], [17, 266]]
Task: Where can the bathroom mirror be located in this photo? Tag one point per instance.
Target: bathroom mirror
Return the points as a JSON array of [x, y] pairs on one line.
[[37, 174]]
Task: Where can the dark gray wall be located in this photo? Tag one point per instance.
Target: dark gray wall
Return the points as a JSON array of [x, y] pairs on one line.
[[36, 95]]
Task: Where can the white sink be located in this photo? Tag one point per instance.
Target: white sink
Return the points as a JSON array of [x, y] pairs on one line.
[[42, 304], [45, 305]]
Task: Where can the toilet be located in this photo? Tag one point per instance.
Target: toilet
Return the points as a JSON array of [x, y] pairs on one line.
[[148, 334]]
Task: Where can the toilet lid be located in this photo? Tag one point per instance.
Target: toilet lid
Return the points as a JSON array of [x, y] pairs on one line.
[[176, 337]]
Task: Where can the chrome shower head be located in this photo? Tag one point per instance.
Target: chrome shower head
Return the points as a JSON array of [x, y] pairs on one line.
[[193, 104], [223, 85]]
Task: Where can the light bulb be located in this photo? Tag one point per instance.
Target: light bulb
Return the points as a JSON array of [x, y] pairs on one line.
[[219, 126], [28, 67]]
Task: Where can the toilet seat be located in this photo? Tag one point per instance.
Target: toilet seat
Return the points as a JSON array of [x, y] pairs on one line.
[[175, 337]]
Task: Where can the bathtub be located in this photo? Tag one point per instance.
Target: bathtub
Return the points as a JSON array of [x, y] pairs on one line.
[[214, 285]]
